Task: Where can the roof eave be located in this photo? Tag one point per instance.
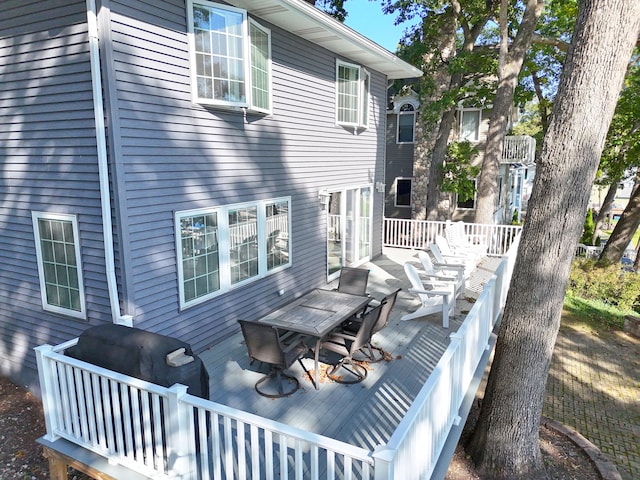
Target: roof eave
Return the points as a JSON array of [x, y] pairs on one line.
[[306, 21]]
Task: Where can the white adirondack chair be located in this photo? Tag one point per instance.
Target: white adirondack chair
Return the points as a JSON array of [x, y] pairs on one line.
[[434, 296], [442, 273], [459, 241], [443, 254]]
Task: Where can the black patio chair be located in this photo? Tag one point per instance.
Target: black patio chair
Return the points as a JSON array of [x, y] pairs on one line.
[[353, 281], [346, 345], [266, 345], [353, 325]]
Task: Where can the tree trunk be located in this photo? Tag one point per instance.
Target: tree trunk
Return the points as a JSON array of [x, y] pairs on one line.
[[498, 122], [435, 200], [605, 209], [505, 443], [623, 232]]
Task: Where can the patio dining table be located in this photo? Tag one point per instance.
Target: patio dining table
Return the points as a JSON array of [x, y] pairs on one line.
[[316, 314]]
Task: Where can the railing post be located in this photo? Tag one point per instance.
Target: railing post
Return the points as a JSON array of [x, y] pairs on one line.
[[459, 384], [383, 458], [46, 377], [180, 435]]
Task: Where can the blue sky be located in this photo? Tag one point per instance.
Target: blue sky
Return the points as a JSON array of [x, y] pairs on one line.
[[366, 17]]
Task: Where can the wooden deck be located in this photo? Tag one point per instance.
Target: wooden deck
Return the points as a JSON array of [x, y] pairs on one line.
[[365, 414]]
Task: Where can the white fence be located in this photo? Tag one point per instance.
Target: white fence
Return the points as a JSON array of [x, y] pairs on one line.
[[167, 433], [405, 233], [414, 448]]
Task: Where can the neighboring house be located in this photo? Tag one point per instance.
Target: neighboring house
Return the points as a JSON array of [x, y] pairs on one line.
[[406, 183], [178, 165]]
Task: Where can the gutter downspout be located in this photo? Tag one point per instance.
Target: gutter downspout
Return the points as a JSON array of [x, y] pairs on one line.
[[103, 171]]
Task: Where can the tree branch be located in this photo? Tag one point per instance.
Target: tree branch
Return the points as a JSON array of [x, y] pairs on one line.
[[554, 42]]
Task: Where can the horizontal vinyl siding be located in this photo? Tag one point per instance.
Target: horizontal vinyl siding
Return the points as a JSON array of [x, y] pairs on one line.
[[175, 155], [48, 159]]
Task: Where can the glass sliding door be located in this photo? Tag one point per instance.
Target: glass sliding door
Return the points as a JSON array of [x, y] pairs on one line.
[[348, 229]]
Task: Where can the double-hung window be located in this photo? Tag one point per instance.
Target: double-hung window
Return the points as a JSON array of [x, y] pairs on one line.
[[230, 57], [470, 124], [353, 83], [59, 269], [219, 248], [406, 124]]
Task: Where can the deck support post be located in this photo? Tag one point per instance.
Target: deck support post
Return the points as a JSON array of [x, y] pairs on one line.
[[180, 435], [383, 458], [46, 375]]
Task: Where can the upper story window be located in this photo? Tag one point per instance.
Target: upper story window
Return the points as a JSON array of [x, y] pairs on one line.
[[353, 83], [219, 248], [403, 192], [59, 269], [406, 124], [470, 124], [231, 60]]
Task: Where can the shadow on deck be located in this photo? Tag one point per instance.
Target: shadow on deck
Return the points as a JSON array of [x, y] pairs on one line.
[[365, 414]]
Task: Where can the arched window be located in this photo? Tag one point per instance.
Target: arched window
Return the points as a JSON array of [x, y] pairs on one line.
[[406, 124]]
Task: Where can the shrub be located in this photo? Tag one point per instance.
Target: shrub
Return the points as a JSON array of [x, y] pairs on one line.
[[588, 229], [608, 284]]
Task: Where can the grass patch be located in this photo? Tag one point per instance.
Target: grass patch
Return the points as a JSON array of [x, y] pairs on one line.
[[595, 314]]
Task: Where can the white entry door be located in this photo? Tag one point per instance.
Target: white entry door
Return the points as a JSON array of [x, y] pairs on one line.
[[349, 220]]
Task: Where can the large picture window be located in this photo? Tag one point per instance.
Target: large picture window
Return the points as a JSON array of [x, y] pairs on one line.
[[58, 255], [222, 247], [352, 95], [231, 60]]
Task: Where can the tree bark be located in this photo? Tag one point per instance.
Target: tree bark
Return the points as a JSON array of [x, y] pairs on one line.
[[505, 443], [623, 231], [437, 204], [436, 209], [605, 209], [509, 69]]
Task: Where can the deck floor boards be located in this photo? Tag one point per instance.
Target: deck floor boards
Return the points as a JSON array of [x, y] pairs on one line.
[[364, 414]]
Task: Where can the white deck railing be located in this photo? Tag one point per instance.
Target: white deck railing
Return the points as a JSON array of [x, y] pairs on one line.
[[167, 433], [414, 448], [404, 233]]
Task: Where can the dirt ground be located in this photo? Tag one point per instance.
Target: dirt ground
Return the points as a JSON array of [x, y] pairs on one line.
[[22, 422]]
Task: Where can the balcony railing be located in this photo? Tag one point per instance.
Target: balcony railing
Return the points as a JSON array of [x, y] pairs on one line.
[[519, 149], [167, 433], [405, 233]]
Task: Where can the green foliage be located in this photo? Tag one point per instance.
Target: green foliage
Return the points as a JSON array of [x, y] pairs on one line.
[[335, 8], [457, 172], [588, 229], [609, 285], [515, 218], [594, 313]]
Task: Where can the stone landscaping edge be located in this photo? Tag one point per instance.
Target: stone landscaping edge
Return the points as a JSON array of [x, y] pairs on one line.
[[607, 469]]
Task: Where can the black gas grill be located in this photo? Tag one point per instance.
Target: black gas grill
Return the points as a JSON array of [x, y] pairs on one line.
[[145, 355]]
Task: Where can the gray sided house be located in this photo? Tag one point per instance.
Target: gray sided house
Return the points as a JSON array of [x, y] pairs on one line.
[[406, 179], [177, 165]]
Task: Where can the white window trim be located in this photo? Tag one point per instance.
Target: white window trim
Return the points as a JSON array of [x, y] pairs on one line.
[[395, 197], [364, 77], [413, 133], [255, 108], [192, 55], [475, 198], [477, 136], [224, 247], [35, 216]]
